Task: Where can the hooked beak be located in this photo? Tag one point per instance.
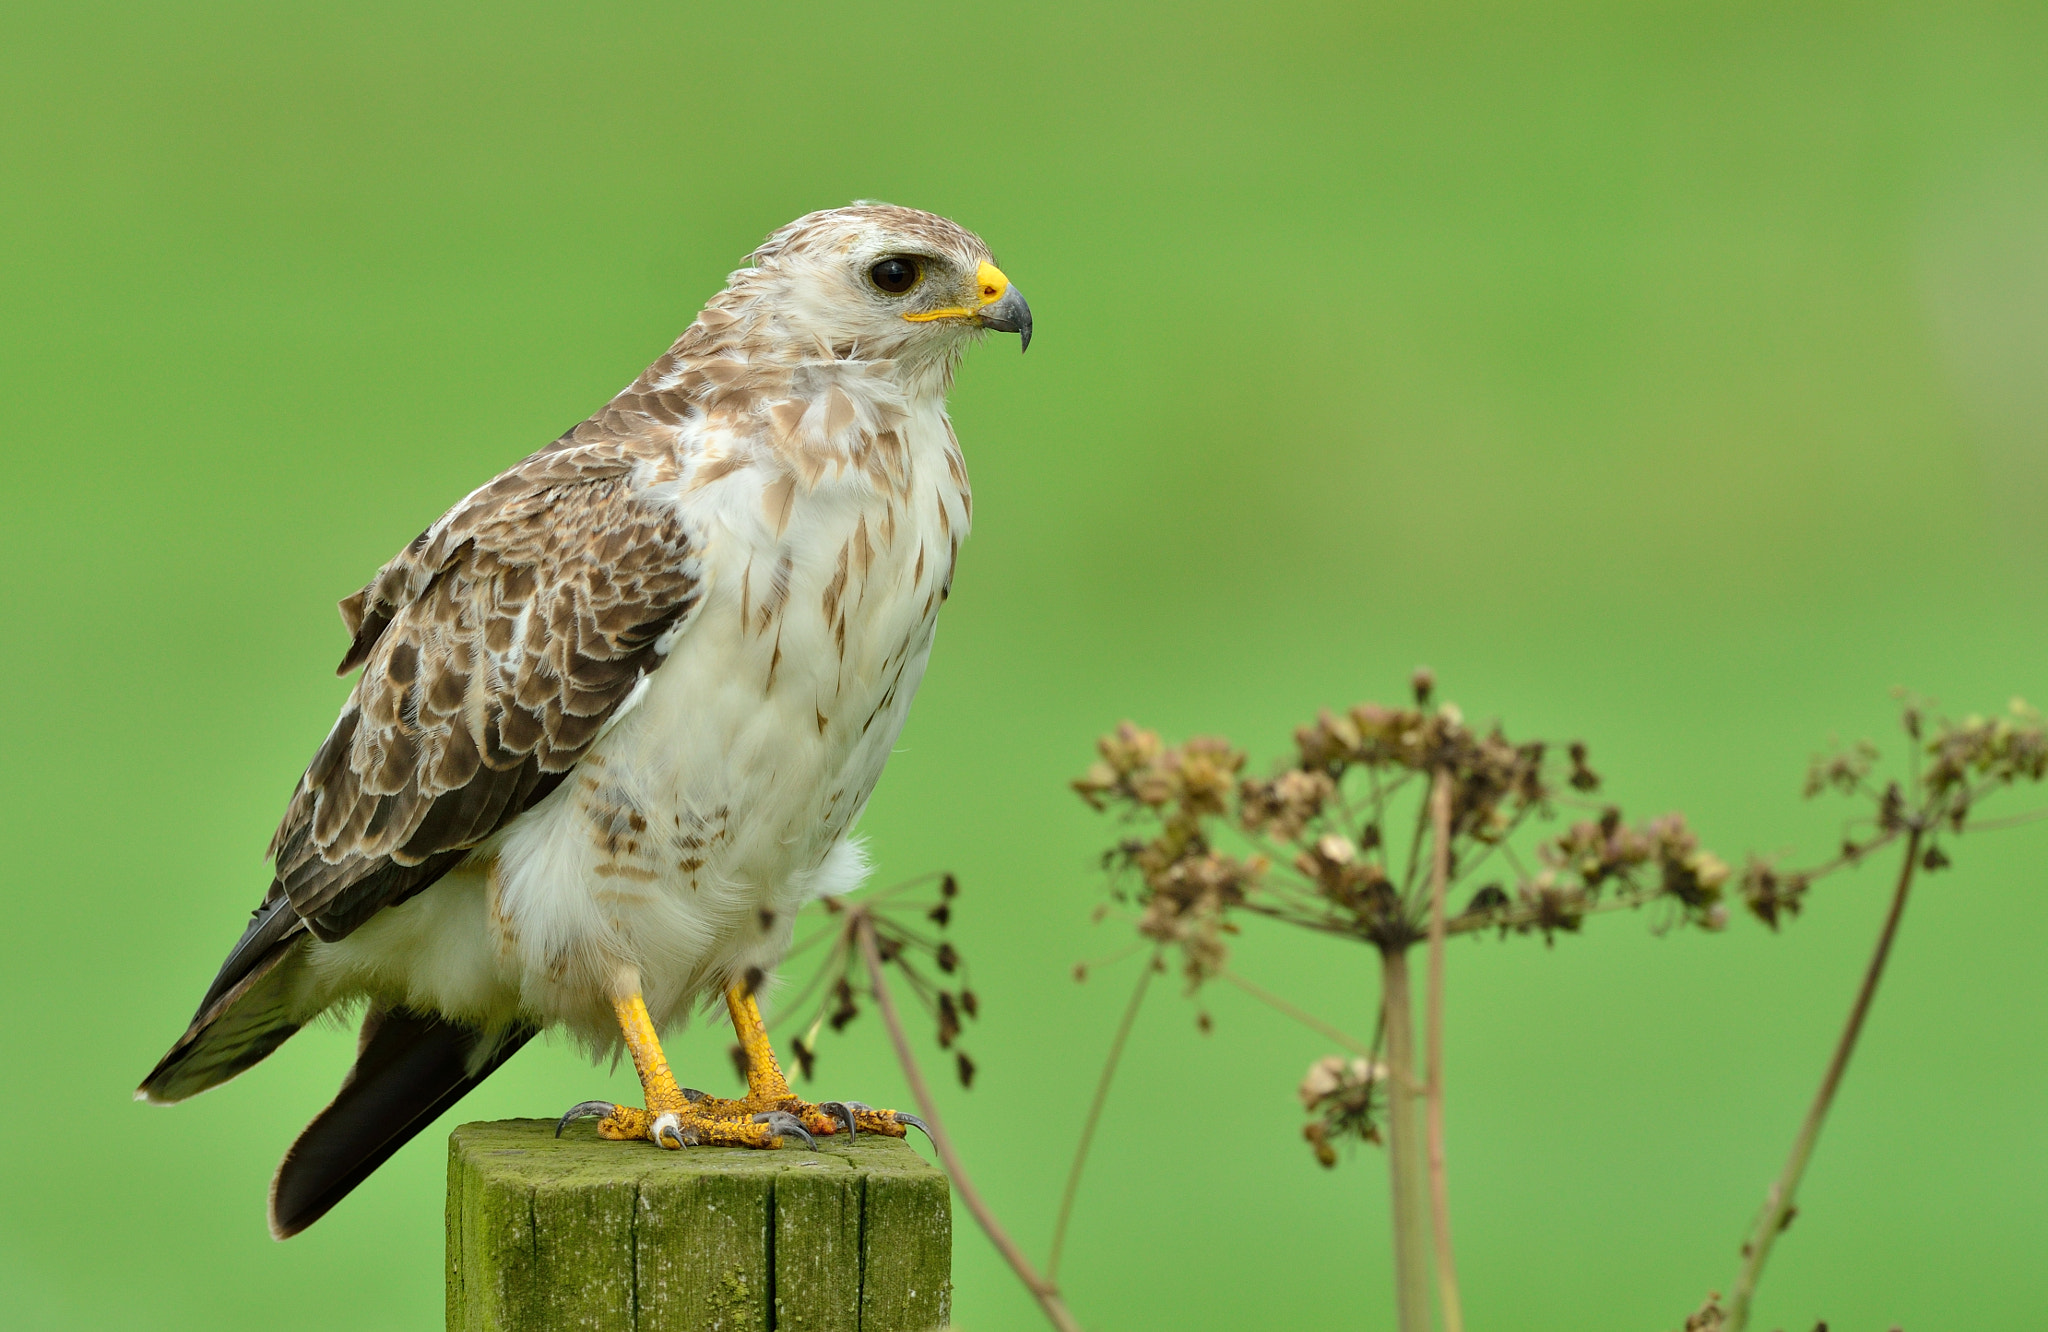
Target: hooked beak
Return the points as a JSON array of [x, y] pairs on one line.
[[997, 305], [1008, 314]]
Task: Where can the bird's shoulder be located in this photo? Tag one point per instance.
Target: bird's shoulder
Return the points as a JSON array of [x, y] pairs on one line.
[[584, 500]]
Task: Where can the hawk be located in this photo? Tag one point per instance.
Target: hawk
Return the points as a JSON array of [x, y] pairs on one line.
[[620, 710]]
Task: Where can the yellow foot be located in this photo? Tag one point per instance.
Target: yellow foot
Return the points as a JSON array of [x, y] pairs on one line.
[[823, 1117], [695, 1124], [712, 1121]]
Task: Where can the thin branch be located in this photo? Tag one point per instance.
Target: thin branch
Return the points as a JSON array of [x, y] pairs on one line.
[[1322, 925], [1521, 916], [1507, 852], [1778, 1203], [1414, 852], [1305, 1018], [1848, 861], [2010, 821], [874, 897], [1109, 1065], [1405, 1184], [1466, 871], [1352, 825], [1042, 1289], [812, 940], [1433, 1038], [835, 965], [1111, 959]]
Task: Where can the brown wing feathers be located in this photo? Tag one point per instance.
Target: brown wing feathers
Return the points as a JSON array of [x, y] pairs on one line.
[[493, 649]]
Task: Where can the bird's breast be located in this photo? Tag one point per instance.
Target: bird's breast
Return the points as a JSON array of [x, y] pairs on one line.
[[764, 731]]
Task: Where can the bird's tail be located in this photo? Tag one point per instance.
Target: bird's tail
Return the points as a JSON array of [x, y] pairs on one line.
[[250, 1009], [409, 1068]]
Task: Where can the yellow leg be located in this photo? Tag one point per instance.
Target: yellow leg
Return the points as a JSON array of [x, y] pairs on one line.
[[645, 1046], [673, 1118], [764, 1075], [769, 1111], [768, 1089]]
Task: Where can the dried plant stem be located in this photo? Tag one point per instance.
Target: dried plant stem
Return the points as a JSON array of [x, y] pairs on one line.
[[1301, 1015], [1404, 1155], [1116, 1054], [1042, 1289], [1433, 1039], [1778, 1203]]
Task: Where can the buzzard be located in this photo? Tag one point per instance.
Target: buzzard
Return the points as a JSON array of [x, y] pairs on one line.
[[619, 712]]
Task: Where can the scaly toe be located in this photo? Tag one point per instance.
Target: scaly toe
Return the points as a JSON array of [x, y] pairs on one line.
[[785, 1125], [843, 1112], [855, 1118]]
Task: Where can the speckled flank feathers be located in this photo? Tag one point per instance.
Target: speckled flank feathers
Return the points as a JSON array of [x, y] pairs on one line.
[[621, 707]]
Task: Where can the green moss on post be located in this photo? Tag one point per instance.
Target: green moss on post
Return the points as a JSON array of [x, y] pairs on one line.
[[625, 1237]]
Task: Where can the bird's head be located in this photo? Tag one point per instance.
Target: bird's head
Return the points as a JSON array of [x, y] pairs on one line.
[[876, 282]]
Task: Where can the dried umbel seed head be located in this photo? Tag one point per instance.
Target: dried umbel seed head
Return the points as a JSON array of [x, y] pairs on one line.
[[1283, 807], [1983, 751], [1583, 777], [1770, 895], [1488, 900], [1842, 770], [1129, 747], [1202, 774], [1333, 1076], [1327, 815], [1341, 1094]]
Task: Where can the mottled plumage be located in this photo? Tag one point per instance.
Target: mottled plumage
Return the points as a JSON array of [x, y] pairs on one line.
[[620, 707]]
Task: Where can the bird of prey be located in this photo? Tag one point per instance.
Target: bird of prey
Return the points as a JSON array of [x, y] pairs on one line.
[[619, 712]]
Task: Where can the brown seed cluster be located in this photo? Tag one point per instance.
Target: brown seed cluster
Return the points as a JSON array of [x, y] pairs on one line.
[[1954, 767], [1337, 839], [910, 938], [1342, 1096]]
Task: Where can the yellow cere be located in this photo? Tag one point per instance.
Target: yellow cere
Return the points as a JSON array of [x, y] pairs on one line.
[[992, 285]]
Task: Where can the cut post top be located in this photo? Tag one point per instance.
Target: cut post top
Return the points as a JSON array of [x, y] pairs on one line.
[[583, 1232]]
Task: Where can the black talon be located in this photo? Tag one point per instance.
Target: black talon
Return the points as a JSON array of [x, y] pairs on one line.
[[692, 1095], [783, 1125], [843, 1112], [916, 1123], [584, 1110]]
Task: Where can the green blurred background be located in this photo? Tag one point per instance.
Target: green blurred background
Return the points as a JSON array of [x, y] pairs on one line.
[[1670, 375]]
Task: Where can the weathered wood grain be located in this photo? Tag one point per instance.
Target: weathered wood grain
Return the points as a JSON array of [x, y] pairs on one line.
[[625, 1237]]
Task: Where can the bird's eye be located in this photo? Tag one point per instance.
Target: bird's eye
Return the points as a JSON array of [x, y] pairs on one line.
[[895, 275]]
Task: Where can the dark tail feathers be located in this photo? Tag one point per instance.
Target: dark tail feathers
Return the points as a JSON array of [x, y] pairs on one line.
[[250, 1009], [408, 1069]]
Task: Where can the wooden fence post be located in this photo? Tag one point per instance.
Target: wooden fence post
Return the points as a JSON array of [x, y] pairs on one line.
[[578, 1232]]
